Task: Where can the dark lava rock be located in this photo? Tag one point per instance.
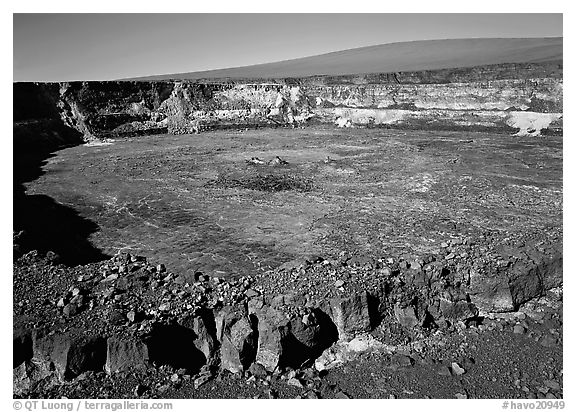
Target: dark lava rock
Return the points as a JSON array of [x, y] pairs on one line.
[[69, 354], [273, 330], [406, 316], [204, 329], [459, 310], [258, 370], [351, 314], [237, 339], [126, 354]]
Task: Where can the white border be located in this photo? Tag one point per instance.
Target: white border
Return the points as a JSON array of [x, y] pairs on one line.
[[302, 6]]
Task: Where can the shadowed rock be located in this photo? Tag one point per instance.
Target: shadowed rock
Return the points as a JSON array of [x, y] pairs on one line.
[[124, 355], [237, 337], [204, 329], [22, 347], [530, 279], [31, 374], [69, 354], [457, 310], [491, 292], [309, 336], [290, 342], [505, 290], [406, 316], [350, 315], [273, 332], [175, 345]]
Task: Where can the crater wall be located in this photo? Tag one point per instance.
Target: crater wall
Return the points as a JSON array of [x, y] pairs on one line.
[[523, 99]]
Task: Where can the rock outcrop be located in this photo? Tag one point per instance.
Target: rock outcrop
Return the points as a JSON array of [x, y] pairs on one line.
[[525, 99], [259, 329]]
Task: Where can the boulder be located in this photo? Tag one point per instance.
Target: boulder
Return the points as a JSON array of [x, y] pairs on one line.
[[315, 330], [344, 351], [308, 336], [237, 337], [552, 272], [457, 310], [350, 315], [504, 289], [532, 278], [406, 316], [124, 355], [204, 334], [400, 361], [525, 281], [490, 292], [30, 374], [290, 342], [69, 353], [273, 331], [186, 277], [258, 370], [204, 341]]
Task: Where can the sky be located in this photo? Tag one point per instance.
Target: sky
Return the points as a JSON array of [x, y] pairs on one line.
[[66, 47]]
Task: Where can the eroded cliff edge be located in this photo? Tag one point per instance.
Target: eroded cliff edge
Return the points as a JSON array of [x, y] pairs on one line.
[[514, 98]]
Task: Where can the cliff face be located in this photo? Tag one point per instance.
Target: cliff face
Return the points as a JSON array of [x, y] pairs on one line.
[[523, 99], [42, 122]]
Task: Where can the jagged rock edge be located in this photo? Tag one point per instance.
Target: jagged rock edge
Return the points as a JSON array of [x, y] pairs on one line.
[[26, 352]]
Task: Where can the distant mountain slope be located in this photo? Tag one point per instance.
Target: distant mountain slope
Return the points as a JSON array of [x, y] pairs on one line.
[[396, 57]]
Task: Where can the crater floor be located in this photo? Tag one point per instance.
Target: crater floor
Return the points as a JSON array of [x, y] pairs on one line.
[[196, 202]]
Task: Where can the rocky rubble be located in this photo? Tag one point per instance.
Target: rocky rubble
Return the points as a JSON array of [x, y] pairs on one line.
[[127, 314]]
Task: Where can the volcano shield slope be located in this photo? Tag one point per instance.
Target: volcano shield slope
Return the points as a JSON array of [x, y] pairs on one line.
[[394, 57]]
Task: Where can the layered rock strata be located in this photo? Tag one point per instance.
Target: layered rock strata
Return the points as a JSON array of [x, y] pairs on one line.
[[523, 99]]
